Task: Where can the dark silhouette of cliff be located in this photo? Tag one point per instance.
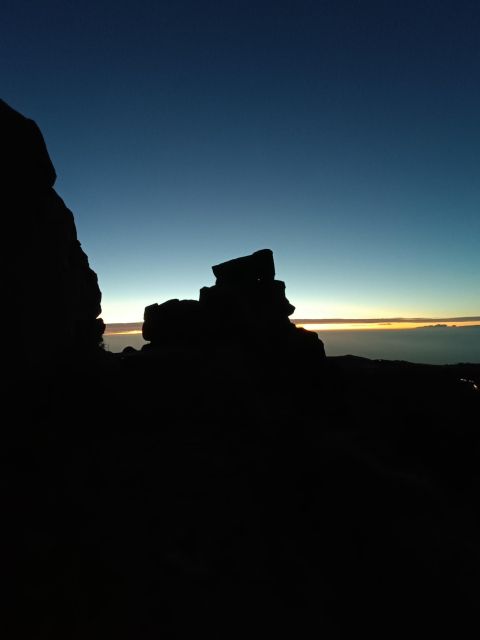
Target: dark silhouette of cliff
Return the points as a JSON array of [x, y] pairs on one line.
[[48, 282], [229, 483]]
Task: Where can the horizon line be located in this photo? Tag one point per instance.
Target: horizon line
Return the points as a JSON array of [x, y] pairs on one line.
[[332, 324], [349, 320], [378, 320]]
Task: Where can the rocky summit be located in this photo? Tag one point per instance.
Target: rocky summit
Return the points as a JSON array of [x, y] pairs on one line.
[[228, 480], [246, 307]]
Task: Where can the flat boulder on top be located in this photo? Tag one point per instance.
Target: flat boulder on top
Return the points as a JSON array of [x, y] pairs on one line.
[[246, 269]]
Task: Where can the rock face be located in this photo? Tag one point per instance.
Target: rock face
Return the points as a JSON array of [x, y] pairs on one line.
[[50, 287], [246, 305]]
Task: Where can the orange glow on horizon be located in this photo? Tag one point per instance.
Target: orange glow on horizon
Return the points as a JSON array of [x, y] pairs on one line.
[[326, 326], [133, 332], [368, 326]]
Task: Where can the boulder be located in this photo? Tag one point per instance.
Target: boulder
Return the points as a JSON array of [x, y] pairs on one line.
[[173, 321], [246, 269]]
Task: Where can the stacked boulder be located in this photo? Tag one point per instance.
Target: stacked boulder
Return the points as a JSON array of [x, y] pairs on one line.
[[49, 288], [245, 306]]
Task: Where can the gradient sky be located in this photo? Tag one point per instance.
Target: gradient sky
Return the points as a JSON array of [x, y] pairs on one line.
[[343, 135]]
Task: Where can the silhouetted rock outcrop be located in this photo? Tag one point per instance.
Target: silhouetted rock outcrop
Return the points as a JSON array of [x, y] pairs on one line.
[[49, 285], [246, 306]]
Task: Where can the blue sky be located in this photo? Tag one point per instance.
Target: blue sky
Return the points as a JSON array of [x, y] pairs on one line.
[[342, 135]]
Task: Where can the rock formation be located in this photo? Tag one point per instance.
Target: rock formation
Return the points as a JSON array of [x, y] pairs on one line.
[[246, 305], [49, 285]]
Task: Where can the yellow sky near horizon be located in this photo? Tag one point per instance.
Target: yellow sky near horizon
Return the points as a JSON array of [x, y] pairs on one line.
[[366, 326], [136, 328]]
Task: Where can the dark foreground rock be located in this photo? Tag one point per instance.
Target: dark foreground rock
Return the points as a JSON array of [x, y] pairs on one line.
[[167, 494]]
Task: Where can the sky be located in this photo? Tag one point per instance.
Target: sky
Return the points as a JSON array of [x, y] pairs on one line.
[[344, 135]]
